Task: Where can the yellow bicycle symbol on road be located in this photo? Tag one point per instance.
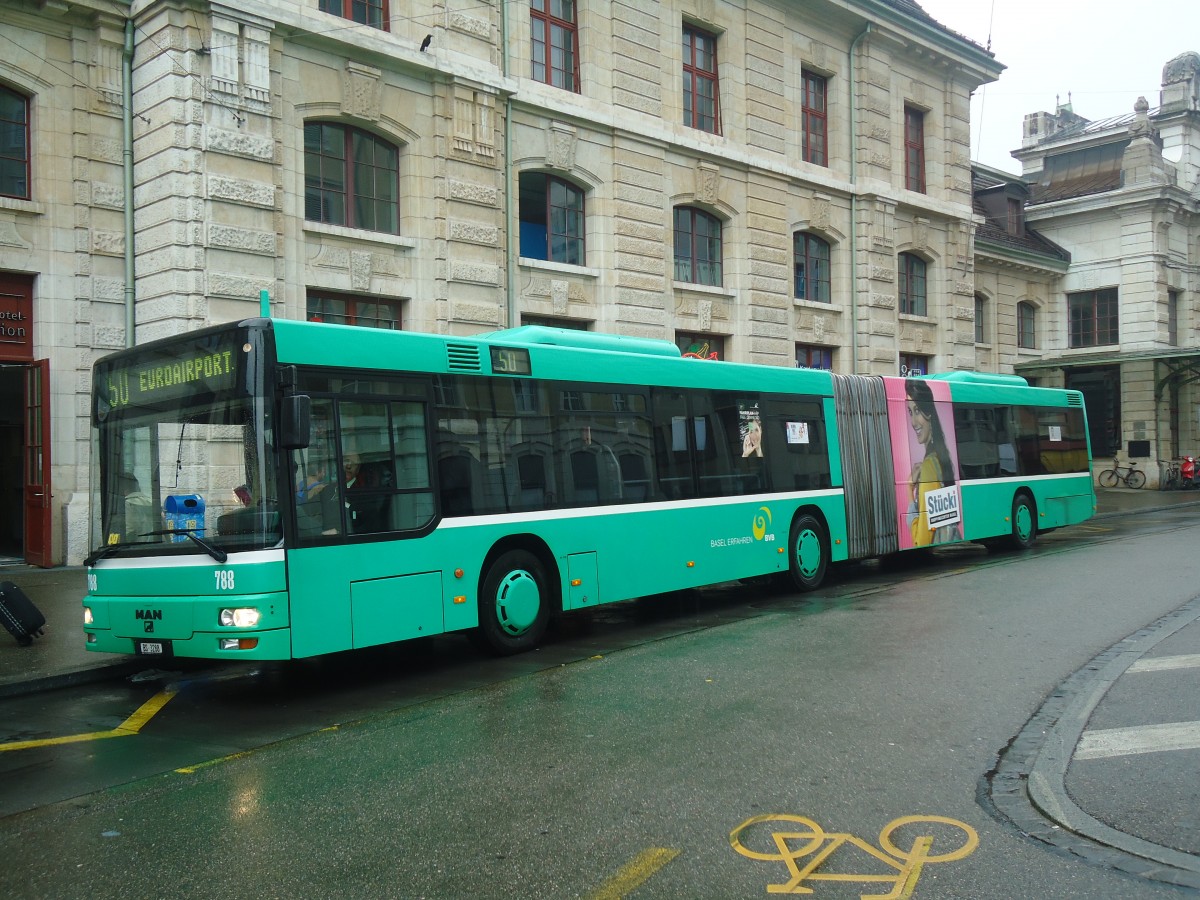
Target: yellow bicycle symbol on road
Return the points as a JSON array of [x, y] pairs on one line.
[[796, 837]]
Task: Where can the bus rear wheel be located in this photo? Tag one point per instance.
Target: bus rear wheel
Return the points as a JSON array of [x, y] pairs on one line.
[[808, 553], [514, 604], [1024, 522]]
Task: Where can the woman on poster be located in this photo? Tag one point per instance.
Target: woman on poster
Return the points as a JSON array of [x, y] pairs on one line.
[[933, 471]]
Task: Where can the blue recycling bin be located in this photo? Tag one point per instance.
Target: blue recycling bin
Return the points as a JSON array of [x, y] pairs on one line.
[[184, 512]]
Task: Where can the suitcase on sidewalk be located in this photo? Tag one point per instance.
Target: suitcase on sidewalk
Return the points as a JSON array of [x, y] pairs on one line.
[[23, 620]]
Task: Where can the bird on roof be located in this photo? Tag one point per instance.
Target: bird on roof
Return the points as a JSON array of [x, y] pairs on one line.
[[425, 43]]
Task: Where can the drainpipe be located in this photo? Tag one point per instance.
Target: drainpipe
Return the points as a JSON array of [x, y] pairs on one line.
[[510, 254], [127, 122], [854, 205]]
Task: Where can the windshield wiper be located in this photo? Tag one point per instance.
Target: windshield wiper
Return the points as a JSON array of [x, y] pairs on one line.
[[215, 552], [96, 555]]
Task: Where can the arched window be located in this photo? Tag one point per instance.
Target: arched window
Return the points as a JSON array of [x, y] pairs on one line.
[[1026, 326], [552, 219], [911, 271], [697, 246], [14, 144], [810, 267], [351, 178]]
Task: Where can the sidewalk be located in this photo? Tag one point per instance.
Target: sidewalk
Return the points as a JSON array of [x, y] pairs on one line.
[[60, 660]]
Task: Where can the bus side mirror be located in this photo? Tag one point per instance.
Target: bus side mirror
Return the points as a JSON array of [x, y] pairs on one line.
[[295, 423]]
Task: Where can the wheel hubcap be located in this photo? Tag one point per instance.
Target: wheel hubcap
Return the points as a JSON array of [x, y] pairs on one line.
[[517, 602], [808, 553], [1024, 522]]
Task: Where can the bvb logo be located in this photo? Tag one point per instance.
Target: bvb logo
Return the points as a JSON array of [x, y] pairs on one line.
[[797, 837], [762, 520]]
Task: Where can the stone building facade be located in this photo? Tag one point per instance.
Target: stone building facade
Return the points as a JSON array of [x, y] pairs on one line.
[[1122, 195], [770, 182]]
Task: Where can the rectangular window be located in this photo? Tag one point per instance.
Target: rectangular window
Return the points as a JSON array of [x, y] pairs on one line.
[[700, 97], [1016, 217], [814, 119], [365, 12], [344, 309], [913, 364], [700, 346], [1026, 326], [913, 286], [1173, 318], [14, 144], [980, 320], [1092, 317], [555, 42], [914, 149], [809, 356]]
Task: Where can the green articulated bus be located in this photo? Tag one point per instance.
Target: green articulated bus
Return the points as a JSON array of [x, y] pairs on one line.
[[274, 489]]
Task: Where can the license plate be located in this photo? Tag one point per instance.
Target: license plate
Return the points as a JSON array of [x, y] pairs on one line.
[[153, 648]]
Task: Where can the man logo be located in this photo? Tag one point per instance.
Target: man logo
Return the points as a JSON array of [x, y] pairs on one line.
[[148, 616]]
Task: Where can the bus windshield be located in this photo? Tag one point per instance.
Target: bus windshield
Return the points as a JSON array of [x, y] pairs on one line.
[[183, 460]]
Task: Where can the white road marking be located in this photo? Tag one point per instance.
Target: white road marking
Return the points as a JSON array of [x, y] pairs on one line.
[[1108, 742]]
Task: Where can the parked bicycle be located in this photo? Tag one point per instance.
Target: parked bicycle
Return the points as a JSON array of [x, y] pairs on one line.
[[1131, 475], [1170, 475]]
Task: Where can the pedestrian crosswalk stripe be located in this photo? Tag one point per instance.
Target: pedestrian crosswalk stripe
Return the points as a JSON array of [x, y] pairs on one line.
[[1162, 663], [1108, 742]]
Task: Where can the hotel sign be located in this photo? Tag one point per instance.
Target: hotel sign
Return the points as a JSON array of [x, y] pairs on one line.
[[16, 324]]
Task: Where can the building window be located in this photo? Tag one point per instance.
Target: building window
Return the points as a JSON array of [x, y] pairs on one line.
[[700, 105], [700, 346], [911, 270], [1173, 318], [365, 12], [555, 39], [344, 309], [914, 149], [14, 145], [814, 119], [554, 322], [809, 356], [1016, 217], [1093, 318], [810, 267], [351, 178], [1026, 326], [697, 246], [551, 213], [913, 364], [980, 319]]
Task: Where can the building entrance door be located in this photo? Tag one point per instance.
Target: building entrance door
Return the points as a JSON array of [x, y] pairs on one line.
[[12, 466], [37, 464]]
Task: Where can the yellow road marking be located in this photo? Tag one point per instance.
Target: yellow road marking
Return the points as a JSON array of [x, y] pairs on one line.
[[793, 844], [131, 725], [635, 874]]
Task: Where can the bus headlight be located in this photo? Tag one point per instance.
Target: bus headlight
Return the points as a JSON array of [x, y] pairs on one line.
[[244, 617], [87, 616]]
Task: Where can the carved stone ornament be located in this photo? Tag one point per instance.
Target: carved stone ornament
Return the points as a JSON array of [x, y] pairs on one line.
[[560, 146], [708, 182]]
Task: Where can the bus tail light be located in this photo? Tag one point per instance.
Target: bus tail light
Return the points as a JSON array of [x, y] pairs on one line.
[[238, 643]]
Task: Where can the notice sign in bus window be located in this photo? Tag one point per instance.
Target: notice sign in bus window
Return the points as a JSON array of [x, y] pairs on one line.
[[797, 433]]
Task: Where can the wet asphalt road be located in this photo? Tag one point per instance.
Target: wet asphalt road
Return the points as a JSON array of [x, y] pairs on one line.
[[617, 761]]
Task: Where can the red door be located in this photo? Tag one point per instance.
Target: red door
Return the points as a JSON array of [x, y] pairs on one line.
[[37, 464]]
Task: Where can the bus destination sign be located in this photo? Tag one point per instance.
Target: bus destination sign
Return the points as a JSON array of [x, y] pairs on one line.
[[154, 377]]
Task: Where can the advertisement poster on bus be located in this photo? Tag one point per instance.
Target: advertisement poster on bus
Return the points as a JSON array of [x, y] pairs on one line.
[[925, 457]]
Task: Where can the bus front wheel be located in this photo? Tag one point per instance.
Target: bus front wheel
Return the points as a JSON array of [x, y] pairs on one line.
[[808, 553], [514, 606], [1024, 522]]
